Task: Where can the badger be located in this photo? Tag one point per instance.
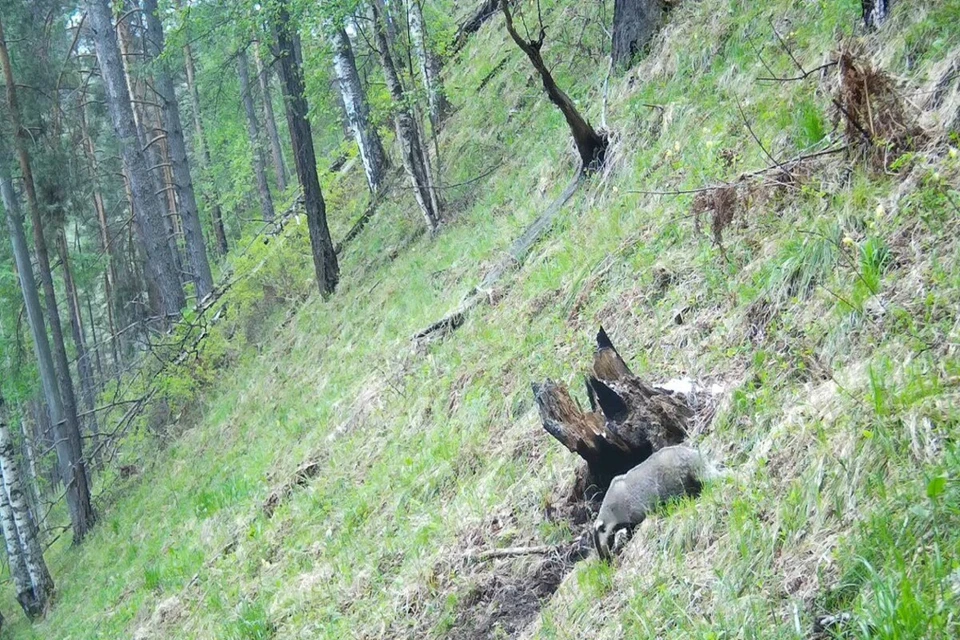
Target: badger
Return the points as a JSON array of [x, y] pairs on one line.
[[669, 473]]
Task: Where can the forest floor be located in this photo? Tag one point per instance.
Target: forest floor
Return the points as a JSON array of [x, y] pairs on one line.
[[340, 480]]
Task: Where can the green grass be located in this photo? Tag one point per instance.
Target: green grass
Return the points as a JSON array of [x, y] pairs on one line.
[[840, 427]]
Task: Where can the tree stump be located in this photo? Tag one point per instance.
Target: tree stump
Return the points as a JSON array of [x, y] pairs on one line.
[[628, 420]]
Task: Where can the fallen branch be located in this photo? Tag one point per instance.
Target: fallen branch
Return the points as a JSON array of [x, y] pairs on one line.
[[515, 257], [509, 552]]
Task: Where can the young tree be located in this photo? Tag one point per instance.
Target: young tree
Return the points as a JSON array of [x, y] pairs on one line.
[[634, 23], [72, 468], [412, 148], [875, 12], [253, 130], [200, 140], [591, 145], [269, 119], [291, 73], [429, 65], [372, 155], [183, 182], [149, 216]]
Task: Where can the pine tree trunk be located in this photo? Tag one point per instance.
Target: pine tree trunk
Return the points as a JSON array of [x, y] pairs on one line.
[[106, 244], [147, 209], [26, 528], [87, 383], [151, 139], [253, 131], [413, 150], [634, 24], [301, 136], [189, 213], [429, 65], [71, 425], [358, 113], [591, 146], [269, 119], [71, 466], [219, 231], [28, 600]]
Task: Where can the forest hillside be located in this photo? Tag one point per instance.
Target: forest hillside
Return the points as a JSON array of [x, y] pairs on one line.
[[309, 389]]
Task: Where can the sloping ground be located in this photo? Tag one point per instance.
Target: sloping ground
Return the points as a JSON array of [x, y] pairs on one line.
[[829, 314]]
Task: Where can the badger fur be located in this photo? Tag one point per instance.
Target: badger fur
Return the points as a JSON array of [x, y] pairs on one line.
[[669, 473]]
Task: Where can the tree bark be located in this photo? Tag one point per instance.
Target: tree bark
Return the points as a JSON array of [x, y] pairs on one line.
[[269, 119], [67, 438], [13, 499], [200, 138], [151, 137], [634, 24], [412, 147], [71, 425], [147, 209], [429, 66], [26, 596], [484, 11], [591, 145], [372, 155], [627, 422], [84, 368], [183, 182], [875, 12], [253, 131], [301, 136]]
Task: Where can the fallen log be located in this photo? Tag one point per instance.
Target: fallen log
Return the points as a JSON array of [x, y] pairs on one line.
[[628, 419]]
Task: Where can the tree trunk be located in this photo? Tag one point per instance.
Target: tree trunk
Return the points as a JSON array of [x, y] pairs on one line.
[[189, 213], [269, 119], [591, 146], [484, 11], [87, 384], [219, 231], [291, 72], [29, 452], [13, 502], [429, 66], [628, 420], [67, 438], [26, 528], [412, 147], [634, 24], [253, 131], [71, 424], [875, 12], [31, 605], [358, 113], [147, 209], [106, 243], [150, 136]]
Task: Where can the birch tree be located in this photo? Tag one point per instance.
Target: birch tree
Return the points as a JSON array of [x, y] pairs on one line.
[[412, 148], [429, 65], [372, 155]]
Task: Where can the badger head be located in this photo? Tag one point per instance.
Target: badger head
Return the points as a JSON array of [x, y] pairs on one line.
[[609, 538]]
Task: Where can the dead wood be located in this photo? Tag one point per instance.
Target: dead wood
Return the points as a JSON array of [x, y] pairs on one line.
[[628, 419]]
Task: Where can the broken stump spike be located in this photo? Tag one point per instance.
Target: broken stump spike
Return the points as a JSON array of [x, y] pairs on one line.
[[607, 361], [590, 394]]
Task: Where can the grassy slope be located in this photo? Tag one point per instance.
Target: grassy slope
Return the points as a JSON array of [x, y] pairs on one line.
[[837, 416]]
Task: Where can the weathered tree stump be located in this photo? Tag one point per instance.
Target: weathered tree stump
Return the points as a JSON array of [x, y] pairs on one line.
[[628, 419]]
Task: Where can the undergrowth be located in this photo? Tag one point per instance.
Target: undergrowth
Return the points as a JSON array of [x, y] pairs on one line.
[[826, 309]]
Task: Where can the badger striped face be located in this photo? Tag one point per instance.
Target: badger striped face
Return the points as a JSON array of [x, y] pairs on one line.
[[601, 539]]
